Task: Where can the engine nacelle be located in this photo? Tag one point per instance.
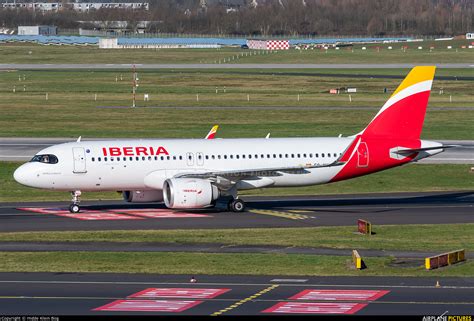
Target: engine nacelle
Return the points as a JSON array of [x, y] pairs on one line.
[[189, 193], [143, 196]]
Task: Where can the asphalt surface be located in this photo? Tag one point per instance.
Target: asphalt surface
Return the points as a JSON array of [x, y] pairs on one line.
[[229, 66], [56, 294], [23, 149], [263, 212]]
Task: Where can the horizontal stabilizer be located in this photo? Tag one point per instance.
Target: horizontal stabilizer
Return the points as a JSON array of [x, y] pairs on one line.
[[417, 150]]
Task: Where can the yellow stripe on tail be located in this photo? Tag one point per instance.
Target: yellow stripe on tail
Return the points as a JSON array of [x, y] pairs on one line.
[[416, 75]]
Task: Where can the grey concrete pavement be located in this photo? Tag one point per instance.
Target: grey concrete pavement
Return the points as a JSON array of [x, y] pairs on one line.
[[145, 294], [262, 212]]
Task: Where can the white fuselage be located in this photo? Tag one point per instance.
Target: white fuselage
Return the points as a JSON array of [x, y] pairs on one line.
[[146, 164]]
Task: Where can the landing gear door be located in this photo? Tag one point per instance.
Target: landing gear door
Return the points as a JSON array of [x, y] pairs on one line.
[[79, 156], [362, 155]]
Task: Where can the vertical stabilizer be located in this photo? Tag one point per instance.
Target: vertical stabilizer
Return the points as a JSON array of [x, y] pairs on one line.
[[402, 116]]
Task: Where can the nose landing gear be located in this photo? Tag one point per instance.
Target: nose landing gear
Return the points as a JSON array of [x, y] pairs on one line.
[[76, 199]]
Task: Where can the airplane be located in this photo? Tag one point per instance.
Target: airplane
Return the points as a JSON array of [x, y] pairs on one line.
[[196, 173]]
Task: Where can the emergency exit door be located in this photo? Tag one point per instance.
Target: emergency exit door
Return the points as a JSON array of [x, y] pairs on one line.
[[190, 159]]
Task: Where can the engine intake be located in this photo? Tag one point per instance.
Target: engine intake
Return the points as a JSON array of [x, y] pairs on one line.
[[189, 193]]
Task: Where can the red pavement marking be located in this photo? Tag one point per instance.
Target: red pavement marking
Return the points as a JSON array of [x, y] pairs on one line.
[[43, 210], [149, 305], [316, 308], [85, 215], [189, 293], [337, 295], [99, 216], [160, 213]]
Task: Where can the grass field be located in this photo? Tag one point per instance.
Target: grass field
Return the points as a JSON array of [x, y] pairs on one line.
[[436, 237], [409, 178], [205, 263], [72, 109], [34, 54]]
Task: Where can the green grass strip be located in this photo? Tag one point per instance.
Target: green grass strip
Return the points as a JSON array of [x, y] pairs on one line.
[[205, 263], [436, 237]]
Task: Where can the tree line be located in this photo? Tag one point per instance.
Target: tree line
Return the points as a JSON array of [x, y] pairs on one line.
[[275, 17]]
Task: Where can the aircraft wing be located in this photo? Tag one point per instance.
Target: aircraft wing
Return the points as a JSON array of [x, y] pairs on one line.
[[239, 174]]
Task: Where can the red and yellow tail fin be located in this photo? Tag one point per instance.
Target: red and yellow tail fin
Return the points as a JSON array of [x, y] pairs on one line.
[[403, 114], [212, 132]]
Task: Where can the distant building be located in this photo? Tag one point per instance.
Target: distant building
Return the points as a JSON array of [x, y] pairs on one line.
[[268, 44], [34, 6], [37, 30], [87, 6], [113, 43], [78, 6], [105, 28]]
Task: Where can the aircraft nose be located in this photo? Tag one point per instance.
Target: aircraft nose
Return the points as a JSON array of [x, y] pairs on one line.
[[21, 175]]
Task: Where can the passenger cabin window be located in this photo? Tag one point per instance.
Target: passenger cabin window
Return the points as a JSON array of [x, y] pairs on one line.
[[46, 159]]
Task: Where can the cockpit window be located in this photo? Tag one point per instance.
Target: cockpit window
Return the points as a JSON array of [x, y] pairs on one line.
[[47, 159]]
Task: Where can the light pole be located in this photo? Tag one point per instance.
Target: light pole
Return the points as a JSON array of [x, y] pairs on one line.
[[134, 85]]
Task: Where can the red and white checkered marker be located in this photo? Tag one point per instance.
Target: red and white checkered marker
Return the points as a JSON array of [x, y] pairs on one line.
[[148, 305], [339, 295], [188, 293], [269, 44], [315, 308]]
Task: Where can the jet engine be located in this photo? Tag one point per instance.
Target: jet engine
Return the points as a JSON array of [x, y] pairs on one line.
[[189, 193], [142, 196]]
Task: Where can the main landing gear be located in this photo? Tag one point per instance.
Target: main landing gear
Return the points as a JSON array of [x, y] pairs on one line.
[[236, 205], [76, 199]]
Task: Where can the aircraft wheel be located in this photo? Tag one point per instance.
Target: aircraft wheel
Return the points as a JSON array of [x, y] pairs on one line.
[[74, 208], [237, 205]]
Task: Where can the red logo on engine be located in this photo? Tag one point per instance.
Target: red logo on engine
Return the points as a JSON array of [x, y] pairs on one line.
[[190, 190]]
